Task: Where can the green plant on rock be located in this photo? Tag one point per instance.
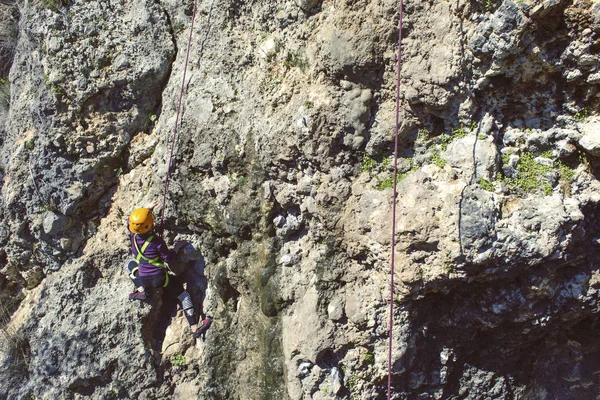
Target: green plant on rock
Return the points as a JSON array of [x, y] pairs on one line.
[[386, 183], [294, 60], [546, 154], [581, 115], [449, 267], [56, 88], [529, 174], [241, 181], [567, 173], [30, 144], [489, 5], [367, 163], [54, 5], [422, 135], [485, 184], [437, 160], [178, 26], [178, 360], [352, 382], [458, 133], [547, 188], [387, 162], [269, 84]]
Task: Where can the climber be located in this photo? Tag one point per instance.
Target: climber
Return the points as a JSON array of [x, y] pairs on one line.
[[149, 269]]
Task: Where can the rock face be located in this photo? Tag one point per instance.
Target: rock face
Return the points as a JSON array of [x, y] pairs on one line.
[[280, 199]]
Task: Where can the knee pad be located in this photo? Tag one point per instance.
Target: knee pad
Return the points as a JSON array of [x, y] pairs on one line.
[[186, 302]]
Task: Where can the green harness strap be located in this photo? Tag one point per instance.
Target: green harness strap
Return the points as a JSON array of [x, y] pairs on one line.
[[156, 261]]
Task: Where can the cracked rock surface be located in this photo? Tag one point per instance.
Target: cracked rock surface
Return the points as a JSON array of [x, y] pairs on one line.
[[280, 199]]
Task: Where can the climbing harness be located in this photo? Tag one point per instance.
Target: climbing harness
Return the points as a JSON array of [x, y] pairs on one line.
[[156, 261], [187, 57], [395, 193]]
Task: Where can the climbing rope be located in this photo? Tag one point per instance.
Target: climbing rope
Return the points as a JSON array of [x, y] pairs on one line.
[[395, 193], [187, 57]]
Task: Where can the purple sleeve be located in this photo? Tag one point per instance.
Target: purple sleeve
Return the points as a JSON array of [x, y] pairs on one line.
[[166, 254]]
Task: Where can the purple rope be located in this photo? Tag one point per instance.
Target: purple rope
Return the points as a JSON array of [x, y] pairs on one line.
[[187, 57], [391, 336]]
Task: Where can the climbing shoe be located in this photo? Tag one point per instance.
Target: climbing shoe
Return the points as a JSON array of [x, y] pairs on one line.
[[206, 323], [137, 295]]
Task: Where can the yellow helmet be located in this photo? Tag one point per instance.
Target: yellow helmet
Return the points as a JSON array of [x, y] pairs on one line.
[[141, 220]]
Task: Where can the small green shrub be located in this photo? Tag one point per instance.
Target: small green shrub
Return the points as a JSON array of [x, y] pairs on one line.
[[529, 175], [567, 173], [369, 359], [546, 154], [387, 162], [437, 159], [30, 144], [530, 172], [178, 26], [581, 115], [489, 5], [386, 183], [422, 136], [54, 5], [449, 267], [352, 382], [367, 164], [294, 60], [485, 184], [269, 84], [178, 360], [241, 181], [459, 133]]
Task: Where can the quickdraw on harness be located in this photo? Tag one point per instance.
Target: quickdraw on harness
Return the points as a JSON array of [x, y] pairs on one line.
[[156, 261]]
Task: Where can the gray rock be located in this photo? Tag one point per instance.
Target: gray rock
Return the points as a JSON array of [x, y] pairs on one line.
[[478, 220], [53, 223], [307, 5], [473, 156], [590, 138], [335, 309]]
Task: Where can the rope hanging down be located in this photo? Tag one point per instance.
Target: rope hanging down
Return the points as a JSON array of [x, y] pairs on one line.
[[395, 193], [187, 57]]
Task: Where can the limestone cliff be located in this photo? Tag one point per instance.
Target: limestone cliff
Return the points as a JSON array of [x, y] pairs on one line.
[[280, 198]]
